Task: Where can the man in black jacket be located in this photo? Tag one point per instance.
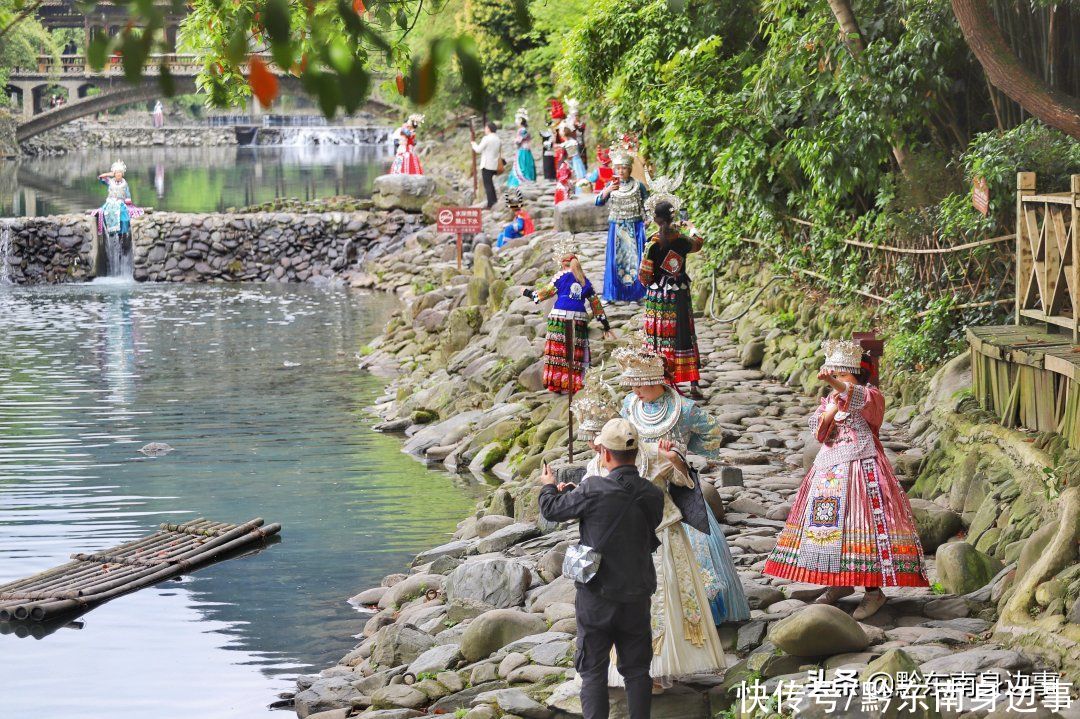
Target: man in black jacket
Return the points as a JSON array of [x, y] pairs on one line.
[[618, 517]]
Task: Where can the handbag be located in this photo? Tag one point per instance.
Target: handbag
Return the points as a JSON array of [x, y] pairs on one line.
[[502, 167], [582, 562]]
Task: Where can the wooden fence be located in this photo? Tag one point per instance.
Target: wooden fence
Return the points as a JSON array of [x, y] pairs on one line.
[[1028, 373], [978, 270], [1048, 255]]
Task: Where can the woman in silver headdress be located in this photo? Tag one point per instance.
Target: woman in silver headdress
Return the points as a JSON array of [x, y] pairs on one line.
[[687, 603], [114, 217], [625, 198], [669, 313]]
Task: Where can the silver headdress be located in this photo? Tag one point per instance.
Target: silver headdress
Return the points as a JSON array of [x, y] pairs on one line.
[[572, 107], [595, 404], [641, 365], [662, 189], [118, 166], [522, 114], [563, 247], [514, 198], [621, 157], [842, 356], [624, 150], [416, 118]]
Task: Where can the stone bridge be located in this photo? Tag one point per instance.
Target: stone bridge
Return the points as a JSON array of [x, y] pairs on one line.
[[92, 91]]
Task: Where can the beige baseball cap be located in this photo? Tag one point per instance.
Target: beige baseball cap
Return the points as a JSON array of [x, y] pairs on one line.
[[618, 435]]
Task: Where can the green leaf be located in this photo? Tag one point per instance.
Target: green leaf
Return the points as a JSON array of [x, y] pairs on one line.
[[340, 57], [166, 81], [402, 20], [236, 47], [98, 51], [277, 21], [354, 88], [472, 74], [352, 21], [133, 55]]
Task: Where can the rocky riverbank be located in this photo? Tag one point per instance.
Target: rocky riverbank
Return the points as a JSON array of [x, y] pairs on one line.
[[483, 625]]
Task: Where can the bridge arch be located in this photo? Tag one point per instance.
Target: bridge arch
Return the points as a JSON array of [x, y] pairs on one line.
[[119, 94]]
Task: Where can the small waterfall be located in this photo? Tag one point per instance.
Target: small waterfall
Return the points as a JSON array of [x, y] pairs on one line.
[[308, 136], [5, 254], [118, 261]]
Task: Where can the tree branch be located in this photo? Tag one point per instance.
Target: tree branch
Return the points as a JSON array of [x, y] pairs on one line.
[[1004, 70], [23, 14]]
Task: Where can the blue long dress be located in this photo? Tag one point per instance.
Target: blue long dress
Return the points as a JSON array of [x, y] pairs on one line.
[[524, 166], [625, 242], [695, 431]]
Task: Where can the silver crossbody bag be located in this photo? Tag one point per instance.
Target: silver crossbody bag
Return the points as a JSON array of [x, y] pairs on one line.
[[582, 562]]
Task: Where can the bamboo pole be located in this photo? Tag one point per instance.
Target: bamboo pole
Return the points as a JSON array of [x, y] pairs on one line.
[[571, 355]]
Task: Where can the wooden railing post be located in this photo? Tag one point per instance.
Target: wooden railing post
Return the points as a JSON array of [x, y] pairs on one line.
[[1025, 185], [1073, 235]]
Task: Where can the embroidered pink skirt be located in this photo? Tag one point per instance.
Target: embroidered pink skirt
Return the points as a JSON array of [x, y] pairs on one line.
[[850, 526]]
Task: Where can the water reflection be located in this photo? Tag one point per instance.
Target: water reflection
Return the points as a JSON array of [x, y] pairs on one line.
[[191, 179], [256, 390]]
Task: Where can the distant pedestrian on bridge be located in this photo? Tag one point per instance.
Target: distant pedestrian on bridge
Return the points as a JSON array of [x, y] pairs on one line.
[[159, 115]]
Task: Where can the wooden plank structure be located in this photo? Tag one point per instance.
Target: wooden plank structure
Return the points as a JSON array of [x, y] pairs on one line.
[[1027, 373], [90, 579]]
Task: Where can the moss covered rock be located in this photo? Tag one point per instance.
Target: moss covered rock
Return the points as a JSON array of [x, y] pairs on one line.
[[962, 568]]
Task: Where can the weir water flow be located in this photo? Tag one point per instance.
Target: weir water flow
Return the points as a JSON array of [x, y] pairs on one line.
[[118, 262]]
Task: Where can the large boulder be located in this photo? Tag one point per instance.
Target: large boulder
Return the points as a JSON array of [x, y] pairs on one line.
[[499, 583], [436, 659], [326, 694], [398, 695], [962, 569], [934, 523], [581, 215], [404, 192], [399, 644], [507, 537], [416, 585], [493, 630], [819, 630], [954, 376]]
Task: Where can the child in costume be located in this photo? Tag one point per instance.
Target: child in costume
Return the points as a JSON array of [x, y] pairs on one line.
[[575, 299], [520, 224]]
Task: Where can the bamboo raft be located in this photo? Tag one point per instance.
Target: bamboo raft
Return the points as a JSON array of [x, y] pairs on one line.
[[90, 579]]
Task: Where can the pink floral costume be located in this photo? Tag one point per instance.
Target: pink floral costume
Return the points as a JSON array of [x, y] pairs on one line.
[[851, 523]]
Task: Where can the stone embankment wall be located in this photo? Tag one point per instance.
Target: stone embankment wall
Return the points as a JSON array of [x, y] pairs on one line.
[[173, 247], [49, 250], [84, 136], [276, 247]]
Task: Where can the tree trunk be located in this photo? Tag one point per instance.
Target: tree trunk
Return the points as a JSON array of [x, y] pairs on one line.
[[853, 38], [845, 18], [1005, 71]]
